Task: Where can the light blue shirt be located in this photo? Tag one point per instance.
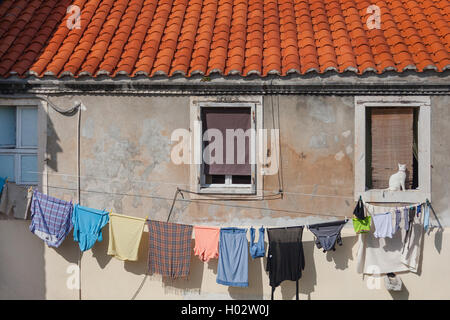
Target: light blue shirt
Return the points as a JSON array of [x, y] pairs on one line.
[[87, 226], [426, 218], [2, 183], [257, 249]]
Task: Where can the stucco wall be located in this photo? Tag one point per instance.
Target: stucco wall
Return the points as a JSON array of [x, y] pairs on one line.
[[125, 157]]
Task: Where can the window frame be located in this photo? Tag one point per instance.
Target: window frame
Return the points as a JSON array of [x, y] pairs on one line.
[[197, 167], [18, 150], [423, 190]]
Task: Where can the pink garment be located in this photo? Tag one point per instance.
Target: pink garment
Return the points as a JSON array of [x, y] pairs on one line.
[[206, 242]]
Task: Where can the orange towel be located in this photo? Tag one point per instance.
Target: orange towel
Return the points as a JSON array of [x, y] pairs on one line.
[[206, 242]]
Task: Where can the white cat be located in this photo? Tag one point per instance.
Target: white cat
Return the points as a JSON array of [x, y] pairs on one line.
[[397, 180]]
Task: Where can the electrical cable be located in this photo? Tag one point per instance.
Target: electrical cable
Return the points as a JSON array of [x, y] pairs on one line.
[[199, 201], [69, 112], [273, 192]]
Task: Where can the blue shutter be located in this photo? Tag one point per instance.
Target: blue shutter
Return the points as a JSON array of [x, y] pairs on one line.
[[28, 168], [28, 127], [7, 127], [7, 166]]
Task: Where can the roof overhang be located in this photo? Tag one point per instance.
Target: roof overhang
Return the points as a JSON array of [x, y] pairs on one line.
[[413, 83]]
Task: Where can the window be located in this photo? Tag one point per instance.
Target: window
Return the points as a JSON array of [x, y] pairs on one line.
[[19, 143], [226, 146], [391, 131], [391, 139]]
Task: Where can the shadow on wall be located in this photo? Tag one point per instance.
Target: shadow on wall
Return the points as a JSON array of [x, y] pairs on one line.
[[22, 263], [343, 253], [191, 285], [53, 146]]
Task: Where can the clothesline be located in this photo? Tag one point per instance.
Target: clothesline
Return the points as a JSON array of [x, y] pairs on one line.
[[397, 207], [199, 202], [52, 220]]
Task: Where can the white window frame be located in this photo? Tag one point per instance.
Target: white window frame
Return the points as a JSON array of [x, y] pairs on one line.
[[423, 190], [197, 172], [18, 150]]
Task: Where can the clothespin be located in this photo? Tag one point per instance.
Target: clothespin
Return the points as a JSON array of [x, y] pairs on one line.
[[146, 218]]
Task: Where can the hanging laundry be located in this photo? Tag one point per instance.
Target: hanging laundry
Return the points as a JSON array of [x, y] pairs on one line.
[[384, 255], [328, 234], [406, 217], [411, 215], [51, 218], [383, 225], [169, 252], [358, 212], [398, 220], [285, 257], [362, 225], [257, 249], [125, 235], [16, 200], [419, 209], [413, 240], [232, 269], [87, 226], [206, 242], [2, 183], [426, 218]]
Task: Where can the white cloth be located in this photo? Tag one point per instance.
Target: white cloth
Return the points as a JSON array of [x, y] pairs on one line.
[[383, 225], [384, 255]]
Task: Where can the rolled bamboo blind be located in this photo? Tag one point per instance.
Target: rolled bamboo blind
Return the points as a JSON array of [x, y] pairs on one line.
[[392, 138]]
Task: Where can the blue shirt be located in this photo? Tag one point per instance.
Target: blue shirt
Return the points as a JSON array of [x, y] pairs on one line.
[[2, 183], [87, 226]]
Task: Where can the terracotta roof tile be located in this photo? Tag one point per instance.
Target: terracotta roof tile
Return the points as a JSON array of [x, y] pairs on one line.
[[187, 37]]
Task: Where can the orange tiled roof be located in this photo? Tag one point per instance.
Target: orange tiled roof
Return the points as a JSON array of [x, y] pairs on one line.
[[168, 37]]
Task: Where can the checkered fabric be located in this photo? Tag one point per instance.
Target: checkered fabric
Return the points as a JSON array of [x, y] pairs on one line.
[[51, 218], [169, 249]]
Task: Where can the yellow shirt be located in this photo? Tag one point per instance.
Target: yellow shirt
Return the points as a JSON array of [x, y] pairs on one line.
[[125, 235]]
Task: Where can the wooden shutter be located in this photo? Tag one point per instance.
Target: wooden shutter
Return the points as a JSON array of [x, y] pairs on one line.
[[392, 138], [223, 119]]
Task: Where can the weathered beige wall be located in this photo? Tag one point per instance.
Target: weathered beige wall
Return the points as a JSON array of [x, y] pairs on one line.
[[126, 154]]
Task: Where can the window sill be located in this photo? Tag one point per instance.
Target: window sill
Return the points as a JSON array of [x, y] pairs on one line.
[[228, 191], [408, 196]]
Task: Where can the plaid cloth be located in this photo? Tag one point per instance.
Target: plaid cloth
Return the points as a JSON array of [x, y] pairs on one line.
[[169, 249], [51, 218]]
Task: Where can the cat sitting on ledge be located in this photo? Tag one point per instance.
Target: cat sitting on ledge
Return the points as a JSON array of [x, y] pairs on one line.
[[397, 180]]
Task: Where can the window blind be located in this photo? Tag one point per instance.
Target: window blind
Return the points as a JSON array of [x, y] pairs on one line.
[[391, 139]]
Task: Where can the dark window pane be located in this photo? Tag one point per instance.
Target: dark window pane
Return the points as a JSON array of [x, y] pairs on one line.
[[241, 179], [214, 178]]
